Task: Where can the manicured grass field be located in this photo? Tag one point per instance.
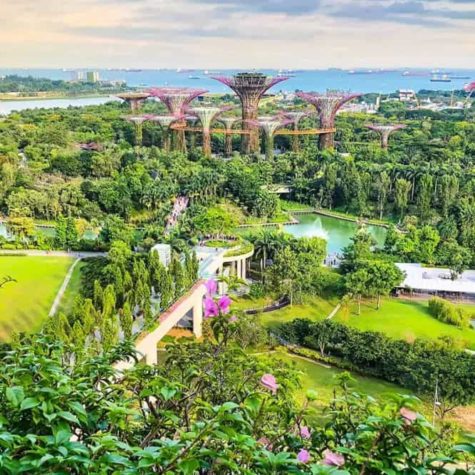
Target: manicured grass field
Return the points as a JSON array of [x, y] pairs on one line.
[[322, 380], [25, 304], [406, 320], [315, 308]]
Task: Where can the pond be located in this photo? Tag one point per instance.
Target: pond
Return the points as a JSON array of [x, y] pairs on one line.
[[337, 232]]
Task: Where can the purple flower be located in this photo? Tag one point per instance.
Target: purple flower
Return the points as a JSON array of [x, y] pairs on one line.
[[304, 432], [333, 459], [408, 415], [211, 287], [303, 456], [223, 304], [210, 307], [269, 382]]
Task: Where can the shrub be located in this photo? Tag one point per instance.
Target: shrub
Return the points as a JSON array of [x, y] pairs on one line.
[[447, 312]]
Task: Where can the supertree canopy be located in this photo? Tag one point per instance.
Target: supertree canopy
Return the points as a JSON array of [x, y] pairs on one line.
[[176, 100], [207, 115], [385, 130], [327, 105], [269, 125], [250, 87], [134, 99]]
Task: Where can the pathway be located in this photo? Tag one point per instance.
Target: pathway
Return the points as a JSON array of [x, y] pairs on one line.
[[64, 286]]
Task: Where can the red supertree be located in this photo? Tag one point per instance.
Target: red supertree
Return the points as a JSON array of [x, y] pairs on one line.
[[176, 100], [250, 87], [327, 105], [385, 130]]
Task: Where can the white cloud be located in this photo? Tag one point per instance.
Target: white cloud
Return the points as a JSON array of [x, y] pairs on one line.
[[232, 33]]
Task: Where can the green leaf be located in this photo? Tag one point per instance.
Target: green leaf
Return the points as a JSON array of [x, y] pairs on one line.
[[15, 395], [29, 403], [68, 416], [189, 466], [167, 393]]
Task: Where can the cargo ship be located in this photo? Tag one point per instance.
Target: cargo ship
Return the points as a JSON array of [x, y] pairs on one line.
[[440, 78]]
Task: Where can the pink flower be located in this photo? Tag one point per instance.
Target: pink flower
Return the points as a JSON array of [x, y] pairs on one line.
[[210, 307], [408, 415], [211, 287], [223, 304], [233, 319], [303, 456], [333, 459], [304, 432], [269, 382]]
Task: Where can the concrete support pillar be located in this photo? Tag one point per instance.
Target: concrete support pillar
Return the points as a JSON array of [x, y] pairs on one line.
[[244, 269], [198, 319], [151, 355]]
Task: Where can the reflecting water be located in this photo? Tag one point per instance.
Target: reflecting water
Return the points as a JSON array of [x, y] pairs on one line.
[[337, 232]]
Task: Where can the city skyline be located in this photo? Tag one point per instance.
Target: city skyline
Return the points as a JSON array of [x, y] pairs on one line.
[[305, 34]]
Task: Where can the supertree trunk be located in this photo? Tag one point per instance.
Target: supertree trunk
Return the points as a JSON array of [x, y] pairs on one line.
[[179, 141], [296, 140], [138, 134], [250, 142], [228, 144], [326, 141], [269, 147], [166, 145], [385, 140], [206, 143]]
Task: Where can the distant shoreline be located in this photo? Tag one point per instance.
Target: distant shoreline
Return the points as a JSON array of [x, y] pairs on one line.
[[8, 98]]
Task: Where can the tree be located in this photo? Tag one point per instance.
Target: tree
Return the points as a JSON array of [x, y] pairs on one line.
[[383, 277], [126, 319], [402, 190], [356, 284], [382, 189], [456, 257]]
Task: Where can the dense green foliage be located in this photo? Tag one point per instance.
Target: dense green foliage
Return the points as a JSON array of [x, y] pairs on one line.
[[447, 312], [419, 366], [205, 409]]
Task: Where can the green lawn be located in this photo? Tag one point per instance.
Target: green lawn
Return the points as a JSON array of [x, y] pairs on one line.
[[322, 379], [406, 320], [315, 308], [25, 304], [72, 290]]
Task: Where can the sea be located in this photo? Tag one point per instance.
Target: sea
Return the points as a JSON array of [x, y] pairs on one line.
[[363, 80]]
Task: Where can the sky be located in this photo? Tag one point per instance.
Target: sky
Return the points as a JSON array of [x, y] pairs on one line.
[[304, 34]]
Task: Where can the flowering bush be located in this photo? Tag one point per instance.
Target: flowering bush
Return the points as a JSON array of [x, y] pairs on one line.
[[207, 408]]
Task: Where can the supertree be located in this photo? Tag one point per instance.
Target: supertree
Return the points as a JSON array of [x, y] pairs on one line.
[[269, 125], [165, 121], [327, 106], [176, 100], [192, 120], [138, 121], [250, 87], [134, 99], [385, 130], [295, 117], [207, 115], [229, 123]]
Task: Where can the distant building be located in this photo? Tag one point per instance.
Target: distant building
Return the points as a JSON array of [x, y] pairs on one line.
[[77, 76], [92, 76], [164, 253], [407, 95]]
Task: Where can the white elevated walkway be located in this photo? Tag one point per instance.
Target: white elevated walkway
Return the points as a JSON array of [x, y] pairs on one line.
[[211, 263]]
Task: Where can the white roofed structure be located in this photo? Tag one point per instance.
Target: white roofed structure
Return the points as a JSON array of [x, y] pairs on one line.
[[433, 280]]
